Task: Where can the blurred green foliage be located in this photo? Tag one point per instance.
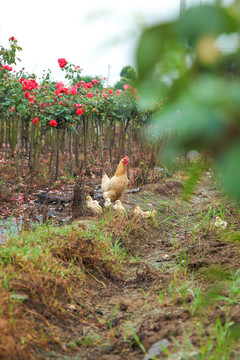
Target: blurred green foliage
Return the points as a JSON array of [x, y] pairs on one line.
[[194, 61]]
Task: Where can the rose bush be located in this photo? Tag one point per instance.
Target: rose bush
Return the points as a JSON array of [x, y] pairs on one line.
[[39, 106]]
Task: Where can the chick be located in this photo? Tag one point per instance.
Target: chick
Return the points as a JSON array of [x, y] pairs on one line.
[[118, 206], [137, 211], [145, 214], [107, 203], [93, 205], [149, 214], [220, 223]]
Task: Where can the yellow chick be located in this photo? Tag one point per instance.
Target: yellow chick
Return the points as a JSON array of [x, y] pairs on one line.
[[149, 214], [144, 214], [107, 203], [93, 205], [118, 206], [137, 211]]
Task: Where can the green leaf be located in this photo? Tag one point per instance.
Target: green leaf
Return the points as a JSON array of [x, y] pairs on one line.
[[205, 20], [153, 44], [20, 108], [229, 166]]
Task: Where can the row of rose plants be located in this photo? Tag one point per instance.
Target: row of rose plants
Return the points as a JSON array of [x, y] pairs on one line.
[[35, 113]]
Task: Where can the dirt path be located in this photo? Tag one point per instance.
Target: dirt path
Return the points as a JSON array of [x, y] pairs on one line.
[[152, 304]]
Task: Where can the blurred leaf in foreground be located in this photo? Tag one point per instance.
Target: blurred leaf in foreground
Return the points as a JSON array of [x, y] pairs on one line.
[[181, 60]]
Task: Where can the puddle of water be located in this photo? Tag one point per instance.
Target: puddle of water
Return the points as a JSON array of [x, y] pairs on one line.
[[8, 226]]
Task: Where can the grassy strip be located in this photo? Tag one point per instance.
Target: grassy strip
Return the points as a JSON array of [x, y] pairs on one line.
[[44, 280]]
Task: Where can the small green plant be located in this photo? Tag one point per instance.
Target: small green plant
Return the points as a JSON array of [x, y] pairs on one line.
[[135, 259], [10, 229], [182, 261], [110, 321], [69, 175], [145, 295], [85, 340], [222, 349], [196, 300], [136, 338]]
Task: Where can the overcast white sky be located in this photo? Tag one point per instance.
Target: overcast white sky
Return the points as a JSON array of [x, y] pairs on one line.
[[91, 33]]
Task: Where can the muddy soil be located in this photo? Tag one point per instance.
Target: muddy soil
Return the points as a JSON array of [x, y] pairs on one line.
[[141, 308]]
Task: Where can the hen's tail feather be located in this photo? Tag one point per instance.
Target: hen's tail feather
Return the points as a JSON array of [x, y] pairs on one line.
[[105, 181]]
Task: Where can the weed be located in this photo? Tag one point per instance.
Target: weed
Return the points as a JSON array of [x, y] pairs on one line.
[[182, 261], [196, 302], [145, 295], [85, 340], [136, 338], [135, 259], [69, 175], [110, 321], [10, 229]]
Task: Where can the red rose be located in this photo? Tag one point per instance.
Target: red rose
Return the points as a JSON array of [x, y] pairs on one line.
[[89, 95], [62, 62], [53, 123], [125, 86], [79, 111], [35, 120], [12, 38], [64, 90], [27, 94], [29, 84], [89, 85], [12, 109], [73, 90], [7, 67], [59, 85], [94, 81], [119, 92]]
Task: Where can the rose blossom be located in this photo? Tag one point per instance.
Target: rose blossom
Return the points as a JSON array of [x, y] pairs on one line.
[[29, 84], [89, 95], [79, 111], [7, 67], [59, 85], [12, 109], [62, 62], [35, 120], [73, 90], [53, 123]]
